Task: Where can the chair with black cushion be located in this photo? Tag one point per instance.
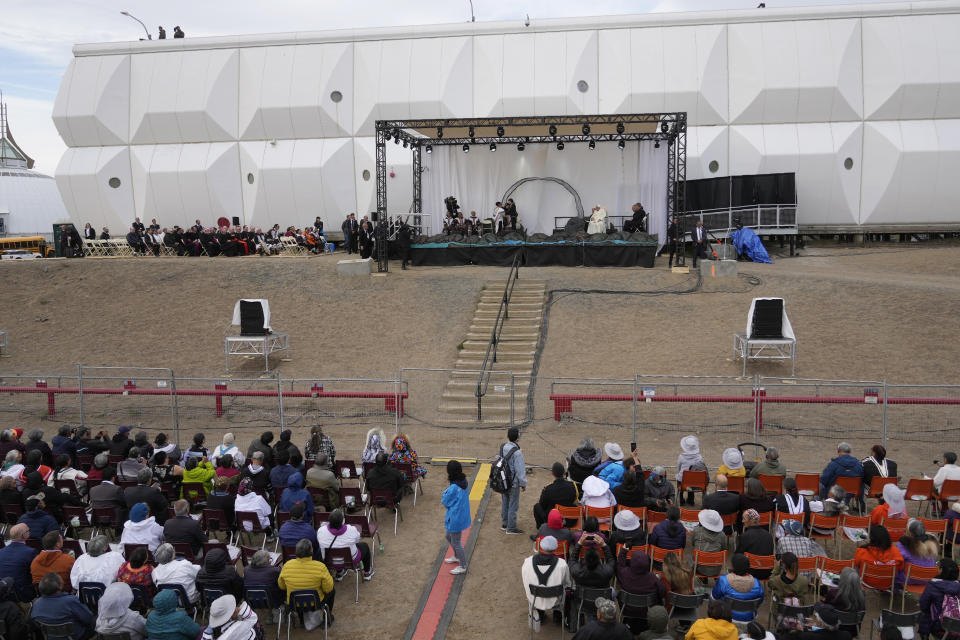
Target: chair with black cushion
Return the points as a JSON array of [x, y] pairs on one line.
[[304, 601], [90, 593], [557, 593], [259, 597], [584, 599], [61, 631]]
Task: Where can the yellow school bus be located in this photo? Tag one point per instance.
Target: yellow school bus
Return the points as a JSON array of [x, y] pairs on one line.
[[34, 244]]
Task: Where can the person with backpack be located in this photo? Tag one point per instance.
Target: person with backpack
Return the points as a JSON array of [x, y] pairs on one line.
[[508, 478], [940, 599]]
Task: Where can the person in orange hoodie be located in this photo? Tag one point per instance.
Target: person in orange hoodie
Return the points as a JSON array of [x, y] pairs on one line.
[[52, 559], [880, 550]]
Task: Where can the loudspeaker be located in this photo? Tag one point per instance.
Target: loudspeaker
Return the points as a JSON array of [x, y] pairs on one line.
[[236, 221], [374, 216]]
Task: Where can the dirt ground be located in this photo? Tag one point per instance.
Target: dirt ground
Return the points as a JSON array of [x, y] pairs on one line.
[[877, 313]]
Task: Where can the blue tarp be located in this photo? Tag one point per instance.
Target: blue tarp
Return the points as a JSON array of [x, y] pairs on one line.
[[746, 241]]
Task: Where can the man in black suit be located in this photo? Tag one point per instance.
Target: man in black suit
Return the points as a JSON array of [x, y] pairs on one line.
[[347, 229], [637, 222], [152, 496], [511, 210], [107, 494], [722, 501], [673, 239], [560, 491], [698, 236], [182, 528]]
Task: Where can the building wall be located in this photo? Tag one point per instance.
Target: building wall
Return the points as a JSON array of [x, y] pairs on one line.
[[862, 102]]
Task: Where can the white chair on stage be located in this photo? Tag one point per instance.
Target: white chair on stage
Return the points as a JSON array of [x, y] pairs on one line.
[[769, 334], [256, 338]]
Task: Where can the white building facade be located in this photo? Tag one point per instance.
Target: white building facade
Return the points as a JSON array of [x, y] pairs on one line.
[[862, 102]]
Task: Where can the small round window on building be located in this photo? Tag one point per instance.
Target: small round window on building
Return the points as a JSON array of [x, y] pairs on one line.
[[848, 164], [336, 96], [250, 178], [366, 174], [582, 86], [714, 166], [114, 183]]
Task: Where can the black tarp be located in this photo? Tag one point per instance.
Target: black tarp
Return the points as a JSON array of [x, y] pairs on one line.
[[538, 255]]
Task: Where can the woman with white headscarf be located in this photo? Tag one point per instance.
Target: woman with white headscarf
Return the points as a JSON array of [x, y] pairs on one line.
[[894, 506], [114, 615], [598, 220], [228, 448], [375, 440]]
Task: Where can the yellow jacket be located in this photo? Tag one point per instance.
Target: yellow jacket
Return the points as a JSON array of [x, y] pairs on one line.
[[727, 471], [203, 472], [305, 573], [712, 629]]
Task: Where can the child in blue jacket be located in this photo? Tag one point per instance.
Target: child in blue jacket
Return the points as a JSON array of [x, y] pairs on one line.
[[457, 501]]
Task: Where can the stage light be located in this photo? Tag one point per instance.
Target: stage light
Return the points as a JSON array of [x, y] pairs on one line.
[[664, 127], [470, 131], [553, 130], [439, 132], [404, 144], [521, 146], [586, 129], [396, 140], [499, 132], [386, 136], [656, 144], [466, 148], [396, 133], [592, 145], [429, 148], [560, 146], [620, 128], [493, 146], [621, 145]]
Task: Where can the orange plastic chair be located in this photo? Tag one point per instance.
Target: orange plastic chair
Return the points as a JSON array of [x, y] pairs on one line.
[[761, 562], [654, 518], [852, 486], [730, 519], [689, 516], [570, 514], [937, 528], [708, 559], [950, 490], [782, 517], [694, 481], [831, 566], [808, 565], [765, 519], [773, 484], [808, 484], [735, 483], [893, 524], [879, 577], [920, 490], [631, 550], [641, 513], [919, 577], [877, 484], [563, 547], [820, 521], [603, 514], [657, 554]]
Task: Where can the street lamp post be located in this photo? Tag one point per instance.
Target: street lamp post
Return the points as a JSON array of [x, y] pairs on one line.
[[126, 13]]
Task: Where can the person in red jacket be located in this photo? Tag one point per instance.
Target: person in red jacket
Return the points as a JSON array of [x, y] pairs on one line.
[[878, 549]]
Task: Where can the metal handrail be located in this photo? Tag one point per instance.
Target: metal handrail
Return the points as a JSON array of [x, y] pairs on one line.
[[502, 314]]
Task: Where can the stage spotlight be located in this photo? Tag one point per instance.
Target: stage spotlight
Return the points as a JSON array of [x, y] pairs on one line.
[[621, 145], [620, 128], [386, 136], [396, 133], [592, 145], [429, 148], [499, 132], [664, 127], [404, 144], [470, 131], [466, 148], [553, 130], [560, 146], [493, 146], [656, 144], [397, 140], [586, 129], [439, 132], [521, 146]]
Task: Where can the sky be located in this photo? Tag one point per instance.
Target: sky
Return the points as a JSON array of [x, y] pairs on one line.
[[36, 36]]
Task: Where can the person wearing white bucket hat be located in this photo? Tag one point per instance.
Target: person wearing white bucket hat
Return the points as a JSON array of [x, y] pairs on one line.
[[611, 470], [708, 536], [691, 459], [628, 531], [732, 463], [226, 623], [596, 493]]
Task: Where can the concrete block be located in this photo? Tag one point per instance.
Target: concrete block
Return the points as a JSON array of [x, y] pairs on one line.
[[358, 267], [717, 268], [724, 251]]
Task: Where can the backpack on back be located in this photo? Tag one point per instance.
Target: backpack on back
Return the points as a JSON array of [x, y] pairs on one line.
[[950, 608], [501, 476]]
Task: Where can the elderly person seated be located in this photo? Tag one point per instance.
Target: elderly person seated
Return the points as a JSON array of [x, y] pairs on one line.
[[217, 573], [249, 501], [39, 521], [54, 606], [732, 465], [755, 539], [689, 460], [114, 616], [98, 564], [596, 493], [337, 535], [605, 625], [708, 536], [15, 561], [167, 622], [227, 448], [182, 528], [128, 469], [384, 477], [151, 496], [843, 466], [52, 558], [598, 220], [263, 574], [627, 530], [296, 529], [319, 476], [770, 465], [658, 493], [917, 548], [231, 619], [142, 528], [544, 569], [794, 541], [739, 585], [583, 461], [256, 471], [303, 572], [173, 569]]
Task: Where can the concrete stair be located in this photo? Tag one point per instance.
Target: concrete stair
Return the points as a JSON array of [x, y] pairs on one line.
[[515, 355]]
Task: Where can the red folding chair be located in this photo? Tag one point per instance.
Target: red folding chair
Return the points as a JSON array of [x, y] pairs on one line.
[[824, 528], [808, 565], [341, 559], [251, 518], [102, 519], [709, 559], [736, 483], [571, 517], [916, 581], [808, 484], [353, 498], [832, 567], [936, 528], [694, 481], [366, 528], [852, 486], [184, 549], [689, 518], [773, 484], [761, 563], [879, 577], [654, 518], [631, 550], [563, 547], [877, 483], [641, 513], [920, 490], [782, 517], [657, 554], [347, 470], [604, 516], [848, 521], [409, 477], [384, 499], [213, 521]]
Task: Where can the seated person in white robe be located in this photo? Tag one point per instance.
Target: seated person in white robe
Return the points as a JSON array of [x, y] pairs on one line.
[[598, 220]]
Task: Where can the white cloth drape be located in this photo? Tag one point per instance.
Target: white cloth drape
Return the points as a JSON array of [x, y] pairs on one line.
[[607, 176]]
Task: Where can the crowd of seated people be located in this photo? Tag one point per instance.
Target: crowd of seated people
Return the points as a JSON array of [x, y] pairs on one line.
[[164, 557], [764, 535]]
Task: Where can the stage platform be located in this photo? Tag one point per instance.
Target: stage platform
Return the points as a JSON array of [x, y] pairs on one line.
[[615, 253]]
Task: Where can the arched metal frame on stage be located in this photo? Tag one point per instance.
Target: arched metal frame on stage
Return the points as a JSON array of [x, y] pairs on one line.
[[418, 134]]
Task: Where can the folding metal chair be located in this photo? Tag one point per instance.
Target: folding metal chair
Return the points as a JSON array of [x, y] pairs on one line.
[[745, 606], [406, 469], [555, 592], [637, 603], [90, 593], [366, 528], [890, 618], [916, 581], [685, 608], [882, 575], [604, 516], [584, 598], [63, 631], [693, 481]]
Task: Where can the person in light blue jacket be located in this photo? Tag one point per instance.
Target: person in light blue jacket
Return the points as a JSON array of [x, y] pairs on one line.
[[457, 501], [611, 470]]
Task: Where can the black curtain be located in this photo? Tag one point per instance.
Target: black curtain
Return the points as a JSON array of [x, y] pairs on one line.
[[739, 191]]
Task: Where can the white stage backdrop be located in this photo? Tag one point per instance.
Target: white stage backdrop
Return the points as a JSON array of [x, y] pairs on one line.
[[607, 176]]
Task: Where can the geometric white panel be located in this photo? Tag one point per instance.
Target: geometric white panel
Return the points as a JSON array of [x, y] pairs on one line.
[[285, 91], [527, 74], [184, 96], [365, 175], [658, 69], [415, 78], [910, 67], [178, 184], [92, 107], [296, 180], [706, 145], [912, 172], [85, 173], [796, 71], [827, 192]]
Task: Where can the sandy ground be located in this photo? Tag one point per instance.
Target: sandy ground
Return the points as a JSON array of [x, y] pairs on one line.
[[873, 313]]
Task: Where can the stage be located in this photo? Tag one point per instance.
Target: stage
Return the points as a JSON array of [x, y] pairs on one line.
[[612, 253]]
